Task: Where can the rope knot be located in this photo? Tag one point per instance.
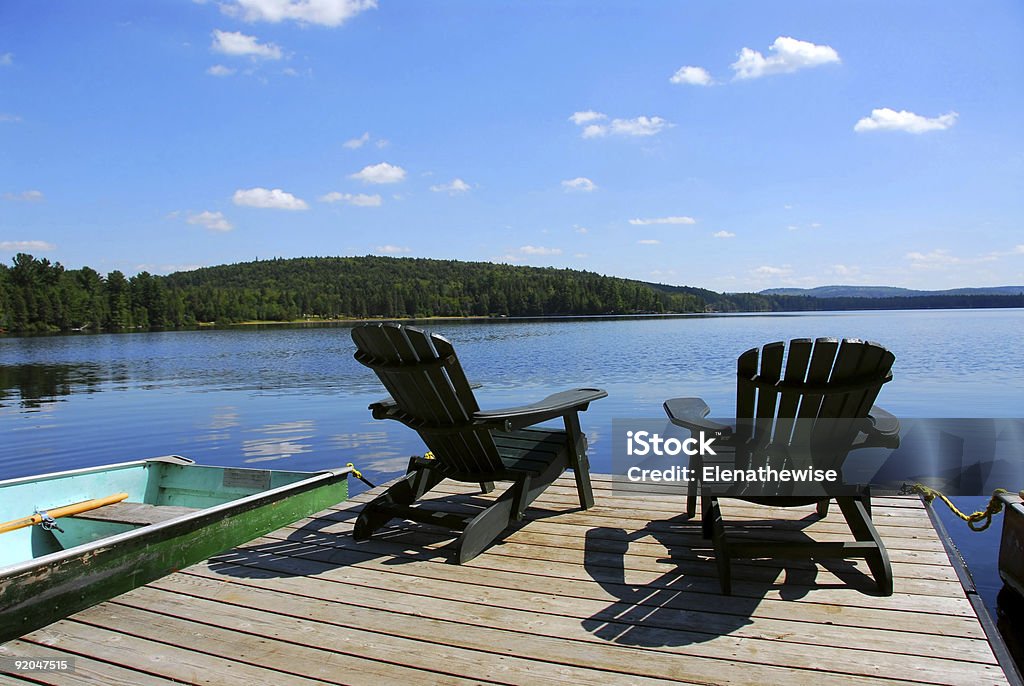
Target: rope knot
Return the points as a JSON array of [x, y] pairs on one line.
[[994, 507]]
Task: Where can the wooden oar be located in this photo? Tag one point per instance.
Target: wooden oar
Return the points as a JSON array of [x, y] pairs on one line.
[[64, 511]]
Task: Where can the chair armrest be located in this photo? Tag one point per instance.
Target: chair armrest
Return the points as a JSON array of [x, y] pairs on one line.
[[883, 423], [880, 430], [383, 405], [691, 413], [555, 405]]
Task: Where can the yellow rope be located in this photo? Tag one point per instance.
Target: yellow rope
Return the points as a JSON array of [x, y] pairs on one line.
[[994, 507], [359, 475]]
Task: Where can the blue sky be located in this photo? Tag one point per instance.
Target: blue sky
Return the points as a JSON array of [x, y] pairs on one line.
[[728, 145]]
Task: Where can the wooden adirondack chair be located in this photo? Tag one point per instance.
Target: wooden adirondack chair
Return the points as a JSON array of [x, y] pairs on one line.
[[824, 395], [430, 393]]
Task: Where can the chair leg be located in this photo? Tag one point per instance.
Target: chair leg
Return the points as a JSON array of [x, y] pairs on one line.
[[489, 524], [823, 508], [486, 486], [408, 490], [577, 448], [856, 512], [484, 528], [721, 547], [692, 485], [707, 505]]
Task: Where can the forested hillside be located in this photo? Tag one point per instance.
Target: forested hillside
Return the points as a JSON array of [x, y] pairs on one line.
[[39, 296], [36, 295]]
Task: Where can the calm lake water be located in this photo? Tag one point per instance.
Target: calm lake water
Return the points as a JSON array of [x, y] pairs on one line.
[[294, 398]]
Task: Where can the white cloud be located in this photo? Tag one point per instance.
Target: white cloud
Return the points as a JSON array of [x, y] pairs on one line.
[[392, 249], [12, 246], [582, 229], [539, 250], [943, 259], [239, 44], [694, 76], [454, 187], [6, 59], [581, 255], [638, 126], [663, 220], [724, 234], [379, 173], [9, 118], [274, 199], [936, 259], [356, 199], [885, 119], [788, 55], [354, 143], [843, 270], [214, 221], [770, 271], [580, 183], [580, 118], [321, 12], [25, 196], [649, 241], [220, 70]]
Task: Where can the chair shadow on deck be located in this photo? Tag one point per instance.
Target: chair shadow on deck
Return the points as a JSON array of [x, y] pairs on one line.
[[326, 543], [683, 605]]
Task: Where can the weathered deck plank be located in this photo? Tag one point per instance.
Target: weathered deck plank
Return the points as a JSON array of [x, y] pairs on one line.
[[623, 593]]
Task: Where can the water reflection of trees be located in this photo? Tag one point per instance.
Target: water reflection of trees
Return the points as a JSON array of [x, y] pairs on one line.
[[33, 385]]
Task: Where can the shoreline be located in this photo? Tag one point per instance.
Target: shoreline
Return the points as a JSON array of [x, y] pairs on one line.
[[200, 326]]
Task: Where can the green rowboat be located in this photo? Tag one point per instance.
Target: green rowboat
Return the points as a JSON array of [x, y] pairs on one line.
[[167, 513]]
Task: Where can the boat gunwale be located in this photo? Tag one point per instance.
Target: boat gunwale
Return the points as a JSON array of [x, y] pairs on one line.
[[169, 459]]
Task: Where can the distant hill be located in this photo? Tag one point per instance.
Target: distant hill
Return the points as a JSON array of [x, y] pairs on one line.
[[37, 295], [887, 291], [374, 286]]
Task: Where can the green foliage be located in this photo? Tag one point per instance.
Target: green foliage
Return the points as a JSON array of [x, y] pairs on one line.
[[332, 287], [37, 296]]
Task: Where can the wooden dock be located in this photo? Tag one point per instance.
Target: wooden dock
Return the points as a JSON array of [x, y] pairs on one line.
[[624, 593]]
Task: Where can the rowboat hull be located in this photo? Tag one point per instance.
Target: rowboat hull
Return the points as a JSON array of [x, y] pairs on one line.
[[1011, 545], [38, 591]]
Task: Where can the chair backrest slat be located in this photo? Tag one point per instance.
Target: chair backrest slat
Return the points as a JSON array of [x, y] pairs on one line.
[[746, 393], [796, 373], [823, 355], [876, 360], [469, 443], [771, 373], [456, 395], [425, 379], [413, 378]]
